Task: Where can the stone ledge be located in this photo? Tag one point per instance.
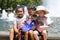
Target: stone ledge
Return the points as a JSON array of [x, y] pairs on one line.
[[4, 33], [50, 36]]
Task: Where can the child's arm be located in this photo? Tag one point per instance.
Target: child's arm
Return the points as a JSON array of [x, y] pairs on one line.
[[47, 25], [44, 27], [15, 27]]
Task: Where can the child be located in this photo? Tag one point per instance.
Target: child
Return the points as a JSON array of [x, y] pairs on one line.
[[20, 20], [42, 23], [31, 11], [29, 23]]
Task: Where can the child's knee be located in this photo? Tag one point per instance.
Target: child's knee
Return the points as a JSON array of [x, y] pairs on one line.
[[26, 33], [44, 33], [31, 31], [35, 33]]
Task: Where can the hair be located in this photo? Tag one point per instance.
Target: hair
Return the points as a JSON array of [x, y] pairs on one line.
[[31, 7], [19, 6]]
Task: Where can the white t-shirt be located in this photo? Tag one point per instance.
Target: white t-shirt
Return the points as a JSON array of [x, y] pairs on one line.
[[20, 21]]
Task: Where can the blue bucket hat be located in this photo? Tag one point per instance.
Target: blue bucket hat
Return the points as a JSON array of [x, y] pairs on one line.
[[18, 6]]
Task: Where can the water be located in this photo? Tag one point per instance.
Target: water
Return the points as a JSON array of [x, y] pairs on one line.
[[53, 6], [4, 15], [54, 27], [26, 11], [11, 16], [6, 21], [5, 25]]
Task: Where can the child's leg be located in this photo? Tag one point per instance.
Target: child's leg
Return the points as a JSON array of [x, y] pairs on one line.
[[19, 35], [26, 36], [11, 34], [31, 34], [36, 35], [44, 35]]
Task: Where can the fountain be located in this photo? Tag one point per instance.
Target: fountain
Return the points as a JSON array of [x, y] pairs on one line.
[[54, 13], [4, 15], [53, 6], [26, 11], [11, 17], [6, 21]]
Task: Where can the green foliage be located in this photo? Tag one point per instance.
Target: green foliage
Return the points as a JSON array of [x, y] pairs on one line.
[[11, 3]]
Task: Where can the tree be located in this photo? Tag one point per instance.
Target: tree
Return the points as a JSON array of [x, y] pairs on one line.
[[11, 3]]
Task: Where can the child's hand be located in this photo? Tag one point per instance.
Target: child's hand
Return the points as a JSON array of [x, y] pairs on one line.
[[20, 25], [41, 27]]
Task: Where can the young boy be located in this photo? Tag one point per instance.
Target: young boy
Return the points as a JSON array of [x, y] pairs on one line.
[[20, 20], [42, 22]]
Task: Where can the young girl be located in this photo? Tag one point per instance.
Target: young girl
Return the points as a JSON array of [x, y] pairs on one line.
[[29, 23], [31, 11], [42, 23], [20, 20]]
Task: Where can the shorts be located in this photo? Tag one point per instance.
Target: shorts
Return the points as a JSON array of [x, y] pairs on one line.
[[40, 33]]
